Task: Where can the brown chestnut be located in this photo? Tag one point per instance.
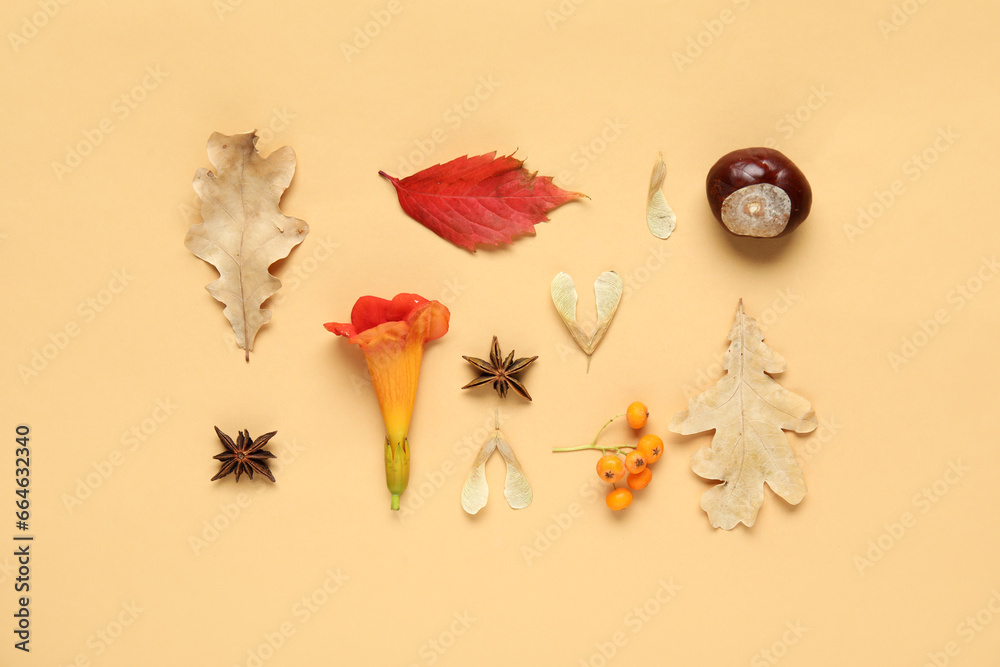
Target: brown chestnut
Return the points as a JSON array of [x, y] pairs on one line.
[[758, 192]]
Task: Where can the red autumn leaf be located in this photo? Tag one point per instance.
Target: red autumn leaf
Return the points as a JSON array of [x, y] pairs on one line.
[[484, 200]]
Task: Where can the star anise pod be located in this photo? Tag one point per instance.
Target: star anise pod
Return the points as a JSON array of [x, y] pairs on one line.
[[500, 371], [246, 455]]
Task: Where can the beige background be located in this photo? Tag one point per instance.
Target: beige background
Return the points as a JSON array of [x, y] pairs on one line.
[[128, 568]]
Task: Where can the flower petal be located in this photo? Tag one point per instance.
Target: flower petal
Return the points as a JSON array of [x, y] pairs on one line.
[[429, 321], [342, 329], [371, 311], [392, 334]]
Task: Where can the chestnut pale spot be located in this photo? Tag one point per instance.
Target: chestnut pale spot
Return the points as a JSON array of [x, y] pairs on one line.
[[760, 210], [747, 167]]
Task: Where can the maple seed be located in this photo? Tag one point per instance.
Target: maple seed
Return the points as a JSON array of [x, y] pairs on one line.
[[500, 371], [476, 491], [660, 218], [246, 455], [608, 291]]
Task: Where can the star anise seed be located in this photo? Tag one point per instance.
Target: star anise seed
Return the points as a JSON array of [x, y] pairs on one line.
[[246, 455], [500, 371]]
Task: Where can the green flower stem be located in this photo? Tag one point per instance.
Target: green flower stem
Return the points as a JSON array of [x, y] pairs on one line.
[[598, 448], [606, 424], [593, 443], [397, 469]]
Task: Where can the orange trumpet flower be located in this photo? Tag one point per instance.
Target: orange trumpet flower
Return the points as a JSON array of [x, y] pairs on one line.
[[392, 334]]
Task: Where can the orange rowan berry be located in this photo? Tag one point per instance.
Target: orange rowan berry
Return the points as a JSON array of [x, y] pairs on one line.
[[651, 447], [619, 499], [639, 480], [610, 468], [636, 415], [635, 462]]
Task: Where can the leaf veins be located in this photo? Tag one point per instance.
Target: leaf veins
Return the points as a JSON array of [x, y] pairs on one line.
[[243, 230], [748, 411], [484, 200]]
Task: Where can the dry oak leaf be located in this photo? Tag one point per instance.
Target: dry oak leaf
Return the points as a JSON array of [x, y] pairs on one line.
[[748, 411], [243, 230], [485, 199]]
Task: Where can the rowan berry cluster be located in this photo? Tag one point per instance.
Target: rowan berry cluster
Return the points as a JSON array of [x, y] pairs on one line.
[[629, 462]]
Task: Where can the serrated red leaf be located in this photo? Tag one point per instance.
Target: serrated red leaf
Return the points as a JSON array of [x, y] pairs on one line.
[[485, 199]]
